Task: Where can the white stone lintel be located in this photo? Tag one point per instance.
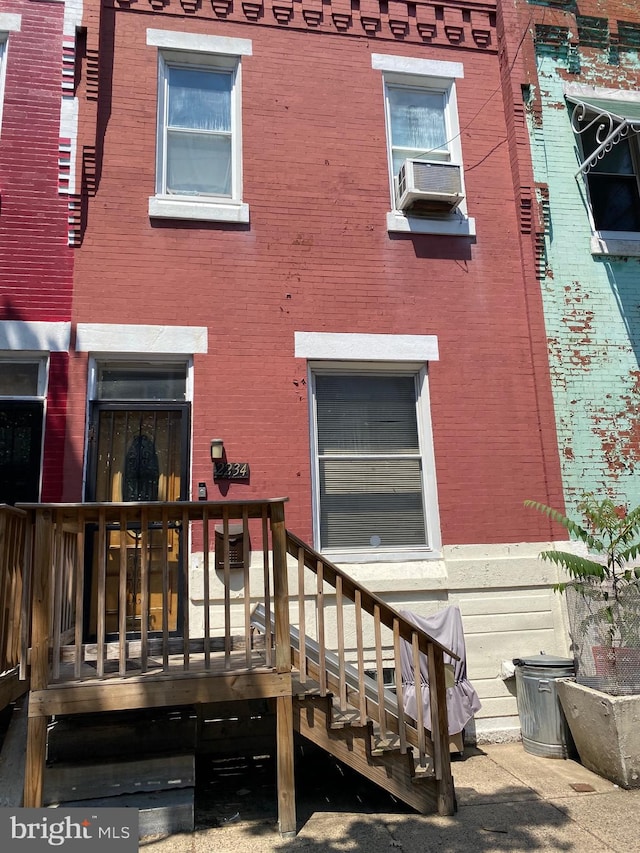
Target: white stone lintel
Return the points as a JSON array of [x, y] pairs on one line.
[[108, 337], [34, 336], [198, 43], [362, 347]]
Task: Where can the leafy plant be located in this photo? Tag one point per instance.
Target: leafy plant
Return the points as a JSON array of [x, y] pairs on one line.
[[612, 536]]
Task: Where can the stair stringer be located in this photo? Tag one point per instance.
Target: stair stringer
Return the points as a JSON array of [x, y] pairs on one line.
[[391, 769]]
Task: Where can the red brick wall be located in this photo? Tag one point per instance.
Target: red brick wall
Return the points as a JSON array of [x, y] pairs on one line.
[[317, 257], [35, 261]]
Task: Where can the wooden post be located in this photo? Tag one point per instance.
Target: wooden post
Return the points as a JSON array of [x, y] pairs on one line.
[[286, 781], [280, 588], [284, 704], [440, 731], [37, 725]]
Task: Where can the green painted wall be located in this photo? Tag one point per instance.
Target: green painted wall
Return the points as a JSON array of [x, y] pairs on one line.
[[591, 303]]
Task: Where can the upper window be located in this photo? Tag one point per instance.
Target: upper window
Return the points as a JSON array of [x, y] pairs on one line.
[[3, 47], [423, 139], [417, 122], [612, 177], [613, 186], [199, 147], [197, 136], [8, 23], [607, 133]]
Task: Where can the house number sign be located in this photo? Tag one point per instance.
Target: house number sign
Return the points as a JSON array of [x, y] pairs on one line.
[[231, 471]]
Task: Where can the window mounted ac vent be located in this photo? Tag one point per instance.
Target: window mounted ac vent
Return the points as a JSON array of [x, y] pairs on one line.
[[425, 184]]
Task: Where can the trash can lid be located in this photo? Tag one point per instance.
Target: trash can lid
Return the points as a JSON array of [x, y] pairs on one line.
[[545, 661]]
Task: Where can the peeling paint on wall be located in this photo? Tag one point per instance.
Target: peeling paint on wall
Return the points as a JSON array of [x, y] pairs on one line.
[[591, 303]]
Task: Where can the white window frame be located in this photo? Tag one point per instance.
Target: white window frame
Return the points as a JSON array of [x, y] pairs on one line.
[[42, 359], [432, 546], [354, 353], [436, 77], [8, 23], [105, 357], [141, 360], [615, 243], [3, 63], [206, 53], [23, 357]]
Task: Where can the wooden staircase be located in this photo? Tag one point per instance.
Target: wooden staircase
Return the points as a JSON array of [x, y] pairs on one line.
[[325, 643], [360, 746], [351, 714]]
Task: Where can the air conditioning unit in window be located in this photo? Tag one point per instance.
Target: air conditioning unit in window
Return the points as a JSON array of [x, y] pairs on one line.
[[429, 187]]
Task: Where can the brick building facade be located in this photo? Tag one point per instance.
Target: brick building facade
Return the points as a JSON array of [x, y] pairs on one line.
[[292, 300], [36, 262]]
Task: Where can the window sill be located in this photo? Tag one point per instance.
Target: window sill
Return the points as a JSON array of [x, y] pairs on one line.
[[455, 226], [163, 207], [398, 556], [621, 243]]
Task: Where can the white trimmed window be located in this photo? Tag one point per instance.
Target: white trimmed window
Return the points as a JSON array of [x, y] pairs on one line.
[[8, 23], [199, 128], [3, 51], [607, 124], [23, 383], [374, 475], [423, 141]]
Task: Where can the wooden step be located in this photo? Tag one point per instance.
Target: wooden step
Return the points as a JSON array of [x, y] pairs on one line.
[[352, 744], [343, 719]]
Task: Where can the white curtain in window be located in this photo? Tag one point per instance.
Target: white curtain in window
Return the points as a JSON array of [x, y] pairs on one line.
[[417, 119], [199, 99], [198, 164], [198, 137]]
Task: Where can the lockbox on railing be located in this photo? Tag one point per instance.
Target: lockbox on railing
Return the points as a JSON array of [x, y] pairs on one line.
[[236, 546]]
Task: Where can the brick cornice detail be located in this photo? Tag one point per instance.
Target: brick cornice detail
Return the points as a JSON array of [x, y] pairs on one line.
[[459, 24]]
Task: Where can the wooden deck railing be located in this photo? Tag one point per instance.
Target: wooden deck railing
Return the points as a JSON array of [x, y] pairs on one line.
[[12, 535], [357, 631], [112, 586], [111, 589]]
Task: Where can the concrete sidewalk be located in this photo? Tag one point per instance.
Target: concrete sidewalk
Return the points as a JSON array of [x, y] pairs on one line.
[[507, 800]]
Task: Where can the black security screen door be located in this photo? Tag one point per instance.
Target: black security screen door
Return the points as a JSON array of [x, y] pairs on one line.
[[20, 451], [139, 453]]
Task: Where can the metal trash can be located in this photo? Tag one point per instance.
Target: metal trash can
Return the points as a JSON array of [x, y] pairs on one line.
[[544, 728]]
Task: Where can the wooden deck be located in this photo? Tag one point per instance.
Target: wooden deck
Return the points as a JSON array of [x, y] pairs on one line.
[[105, 625], [12, 548]]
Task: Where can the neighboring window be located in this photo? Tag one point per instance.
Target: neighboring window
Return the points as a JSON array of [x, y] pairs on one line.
[[372, 489], [612, 181], [9, 23], [3, 49], [199, 147], [22, 390], [424, 151]]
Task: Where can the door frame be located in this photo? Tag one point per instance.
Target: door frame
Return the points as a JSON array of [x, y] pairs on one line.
[[95, 407]]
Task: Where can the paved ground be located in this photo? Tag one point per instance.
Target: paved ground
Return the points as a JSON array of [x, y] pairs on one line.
[[508, 801]]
